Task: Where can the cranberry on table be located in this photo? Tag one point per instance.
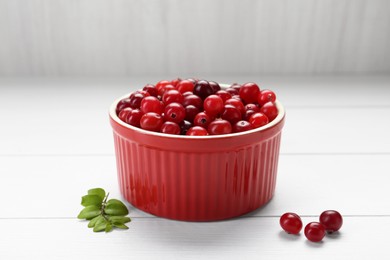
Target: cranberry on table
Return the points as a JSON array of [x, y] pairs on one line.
[[219, 127], [231, 114], [151, 89], [265, 96], [258, 120], [314, 231], [291, 223], [124, 113], [185, 86], [174, 112], [184, 126], [193, 100], [237, 104], [270, 110], [332, 220], [171, 96], [151, 121], [242, 126], [151, 104], [202, 119], [191, 112], [197, 130], [169, 127], [213, 105], [134, 118], [123, 104], [203, 89]]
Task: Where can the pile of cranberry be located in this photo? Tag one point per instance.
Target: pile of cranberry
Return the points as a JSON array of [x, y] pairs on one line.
[[198, 107]]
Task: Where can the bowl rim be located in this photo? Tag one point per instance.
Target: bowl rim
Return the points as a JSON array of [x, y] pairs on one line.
[[113, 115]]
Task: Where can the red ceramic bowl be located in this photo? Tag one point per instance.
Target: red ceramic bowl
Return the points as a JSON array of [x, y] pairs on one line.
[[197, 178]]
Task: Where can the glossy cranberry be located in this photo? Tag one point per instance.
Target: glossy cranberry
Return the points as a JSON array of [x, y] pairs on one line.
[[184, 126], [219, 127], [151, 89], [291, 223], [249, 92], [253, 107], [123, 104], [332, 220], [136, 99], [248, 114], [134, 118], [191, 112], [236, 86], [224, 95], [171, 96], [197, 130], [187, 93], [203, 89], [193, 100], [169, 127], [237, 104], [185, 86], [270, 110], [192, 80], [214, 86], [231, 114], [163, 89], [202, 119], [151, 104], [151, 121], [175, 82], [213, 105], [242, 126], [237, 97], [232, 91], [174, 112], [258, 120], [265, 96], [124, 113], [162, 84], [143, 92], [314, 231]]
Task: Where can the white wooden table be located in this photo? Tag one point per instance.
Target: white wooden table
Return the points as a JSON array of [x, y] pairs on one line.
[[56, 143]]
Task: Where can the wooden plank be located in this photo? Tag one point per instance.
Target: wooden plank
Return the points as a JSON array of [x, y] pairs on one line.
[[51, 186], [244, 238]]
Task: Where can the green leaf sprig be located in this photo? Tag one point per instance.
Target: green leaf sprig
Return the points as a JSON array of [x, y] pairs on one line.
[[103, 214]]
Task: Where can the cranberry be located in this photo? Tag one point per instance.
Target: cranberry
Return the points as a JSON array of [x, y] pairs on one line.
[[214, 86], [232, 91], [174, 112], [197, 130], [236, 86], [252, 107], [248, 114], [193, 80], [332, 220], [265, 96], [224, 95], [203, 89], [162, 84], [184, 126], [202, 119], [315, 231], [151, 89], [169, 127], [123, 104], [175, 82], [219, 127], [136, 99], [270, 110], [231, 114], [242, 126], [191, 112], [237, 104], [213, 105], [134, 118], [258, 120], [151, 104], [249, 92], [163, 89], [171, 96], [151, 121], [193, 100], [291, 223], [187, 93], [143, 92], [124, 113], [185, 86], [237, 97]]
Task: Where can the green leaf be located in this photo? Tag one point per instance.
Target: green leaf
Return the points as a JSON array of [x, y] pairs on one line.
[[108, 227], [116, 207], [89, 200], [119, 219], [89, 212], [93, 221], [100, 227], [121, 226], [97, 191]]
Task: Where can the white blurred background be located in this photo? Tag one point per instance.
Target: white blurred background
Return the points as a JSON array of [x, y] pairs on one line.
[[125, 38]]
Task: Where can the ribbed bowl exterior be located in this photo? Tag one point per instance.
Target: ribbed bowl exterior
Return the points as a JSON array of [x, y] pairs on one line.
[[197, 179]]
